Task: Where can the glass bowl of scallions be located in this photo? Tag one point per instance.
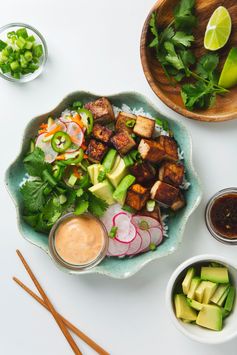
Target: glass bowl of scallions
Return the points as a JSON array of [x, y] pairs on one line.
[[23, 52]]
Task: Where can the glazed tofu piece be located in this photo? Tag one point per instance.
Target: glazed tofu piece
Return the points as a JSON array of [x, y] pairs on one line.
[[143, 172], [164, 193], [170, 147], [101, 110], [171, 173], [151, 150], [178, 203], [144, 127], [122, 120], [137, 196], [96, 151], [102, 133], [154, 214], [123, 142]]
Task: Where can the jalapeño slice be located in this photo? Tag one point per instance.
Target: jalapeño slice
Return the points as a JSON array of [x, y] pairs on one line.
[[60, 142]]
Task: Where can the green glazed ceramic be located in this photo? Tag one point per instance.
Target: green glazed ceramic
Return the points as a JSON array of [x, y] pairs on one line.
[[113, 267]]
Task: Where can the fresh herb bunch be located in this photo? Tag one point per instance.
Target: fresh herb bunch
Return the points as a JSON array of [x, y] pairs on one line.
[[172, 47], [46, 198]]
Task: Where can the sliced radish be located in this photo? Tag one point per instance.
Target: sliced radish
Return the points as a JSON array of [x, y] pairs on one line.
[[57, 123], [50, 154], [144, 222], [135, 245], [146, 239], [109, 214], [116, 248], [126, 230], [75, 132], [156, 235]]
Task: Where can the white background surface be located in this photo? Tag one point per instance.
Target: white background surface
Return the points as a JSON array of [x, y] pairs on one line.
[[94, 45]]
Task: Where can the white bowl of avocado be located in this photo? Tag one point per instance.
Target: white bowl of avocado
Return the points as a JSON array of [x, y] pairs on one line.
[[200, 298]]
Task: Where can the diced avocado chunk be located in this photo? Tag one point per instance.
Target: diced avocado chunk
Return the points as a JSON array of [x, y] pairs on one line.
[[209, 291], [103, 190], [224, 312], [195, 304], [90, 170], [199, 293], [215, 274], [118, 172], [182, 309], [194, 284], [223, 297], [187, 280], [97, 170], [230, 299], [121, 191], [210, 316], [219, 293]]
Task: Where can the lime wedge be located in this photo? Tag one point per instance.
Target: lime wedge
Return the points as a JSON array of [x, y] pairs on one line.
[[228, 77], [218, 29]]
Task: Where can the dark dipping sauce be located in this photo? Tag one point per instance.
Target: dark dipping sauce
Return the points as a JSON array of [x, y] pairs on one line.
[[223, 216]]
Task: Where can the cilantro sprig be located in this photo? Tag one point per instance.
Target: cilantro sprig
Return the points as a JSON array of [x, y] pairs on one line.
[[172, 46]]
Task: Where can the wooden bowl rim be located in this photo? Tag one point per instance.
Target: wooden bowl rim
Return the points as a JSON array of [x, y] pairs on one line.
[[159, 93]]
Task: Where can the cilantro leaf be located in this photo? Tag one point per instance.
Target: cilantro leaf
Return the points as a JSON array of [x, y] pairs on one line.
[[81, 207], [35, 164], [182, 38], [33, 195], [154, 31], [52, 210], [184, 15], [172, 57], [97, 206], [207, 65]]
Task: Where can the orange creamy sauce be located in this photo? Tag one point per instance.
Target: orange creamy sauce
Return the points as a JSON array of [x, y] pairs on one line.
[[79, 240]]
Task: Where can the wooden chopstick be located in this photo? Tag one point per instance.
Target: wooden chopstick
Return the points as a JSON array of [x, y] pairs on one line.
[[50, 306], [72, 327]]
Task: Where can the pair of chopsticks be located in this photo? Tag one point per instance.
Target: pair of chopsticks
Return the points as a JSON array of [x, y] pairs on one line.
[[63, 323]]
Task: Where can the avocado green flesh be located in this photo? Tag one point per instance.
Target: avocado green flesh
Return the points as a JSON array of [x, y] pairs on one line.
[[118, 172], [199, 293], [219, 293], [193, 286], [121, 191], [228, 77], [103, 190], [187, 280], [195, 304], [182, 308], [230, 299], [215, 274], [210, 316], [209, 291], [223, 298]]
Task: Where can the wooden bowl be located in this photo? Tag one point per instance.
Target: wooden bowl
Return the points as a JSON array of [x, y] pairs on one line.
[[225, 107]]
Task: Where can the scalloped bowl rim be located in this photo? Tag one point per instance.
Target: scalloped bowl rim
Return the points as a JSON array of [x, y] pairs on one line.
[[184, 218]]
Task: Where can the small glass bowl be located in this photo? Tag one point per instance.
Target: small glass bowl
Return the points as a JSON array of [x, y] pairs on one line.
[[212, 230], [39, 40], [72, 267]]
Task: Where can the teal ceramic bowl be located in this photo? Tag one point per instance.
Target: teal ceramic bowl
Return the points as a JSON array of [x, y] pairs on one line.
[[113, 267]]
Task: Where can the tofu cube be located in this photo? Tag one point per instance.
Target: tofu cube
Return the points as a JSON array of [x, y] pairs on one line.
[[101, 110], [156, 214], [170, 147], [137, 196], [96, 151], [123, 142], [144, 127], [178, 203], [151, 150], [143, 172], [121, 121], [102, 133], [172, 173], [164, 193]]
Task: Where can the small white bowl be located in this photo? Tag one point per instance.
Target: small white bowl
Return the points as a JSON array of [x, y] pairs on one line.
[[193, 331]]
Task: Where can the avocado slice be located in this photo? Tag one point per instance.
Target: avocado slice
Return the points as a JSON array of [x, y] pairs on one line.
[[187, 280], [121, 191], [103, 190], [210, 316], [219, 293], [182, 308], [194, 284], [215, 274], [224, 312], [209, 291], [223, 297], [195, 304], [199, 293], [90, 170], [118, 172], [230, 299]]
